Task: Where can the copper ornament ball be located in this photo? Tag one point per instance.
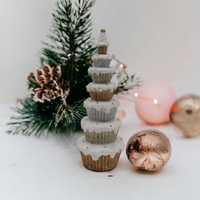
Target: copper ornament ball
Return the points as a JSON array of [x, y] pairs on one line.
[[185, 114], [148, 149]]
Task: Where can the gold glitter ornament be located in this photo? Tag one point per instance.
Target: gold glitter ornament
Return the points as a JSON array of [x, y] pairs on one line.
[[148, 149], [185, 115]]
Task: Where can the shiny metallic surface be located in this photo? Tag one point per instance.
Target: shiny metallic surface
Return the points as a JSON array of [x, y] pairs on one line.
[[185, 114], [148, 149]]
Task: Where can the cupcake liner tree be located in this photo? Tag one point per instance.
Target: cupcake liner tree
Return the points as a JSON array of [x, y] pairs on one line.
[[100, 148]]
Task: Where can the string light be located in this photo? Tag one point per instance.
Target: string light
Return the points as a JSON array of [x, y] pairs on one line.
[[19, 101], [155, 101], [121, 65], [9, 117]]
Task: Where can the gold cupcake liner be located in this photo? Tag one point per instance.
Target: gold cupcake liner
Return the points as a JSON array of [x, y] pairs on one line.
[[101, 78], [104, 163], [102, 49], [101, 138], [105, 95]]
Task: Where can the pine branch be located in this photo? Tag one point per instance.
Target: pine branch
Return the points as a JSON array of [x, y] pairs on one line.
[[32, 84], [134, 82], [37, 118]]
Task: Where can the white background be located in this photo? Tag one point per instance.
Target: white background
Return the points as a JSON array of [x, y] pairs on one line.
[[51, 168], [157, 39]]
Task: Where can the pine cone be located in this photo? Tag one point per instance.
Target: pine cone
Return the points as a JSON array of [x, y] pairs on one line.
[[32, 77], [47, 86], [56, 73], [40, 76], [47, 73]]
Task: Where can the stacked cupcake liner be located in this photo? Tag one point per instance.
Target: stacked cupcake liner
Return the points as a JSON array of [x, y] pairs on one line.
[[102, 49], [101, 77], [105, 95], [101, 138], [101, 116], [101, 62], [104, 163]]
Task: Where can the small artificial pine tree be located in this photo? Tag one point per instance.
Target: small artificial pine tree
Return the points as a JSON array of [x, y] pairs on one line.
[[71, 50]]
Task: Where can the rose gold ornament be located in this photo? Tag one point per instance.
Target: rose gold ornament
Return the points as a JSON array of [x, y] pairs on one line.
[[148, 149], [185, 114]]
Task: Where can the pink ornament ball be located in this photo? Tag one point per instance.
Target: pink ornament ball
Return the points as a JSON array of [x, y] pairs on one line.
[[153, 102]]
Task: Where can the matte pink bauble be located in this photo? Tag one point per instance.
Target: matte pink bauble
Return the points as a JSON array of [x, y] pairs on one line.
[[153, 102]]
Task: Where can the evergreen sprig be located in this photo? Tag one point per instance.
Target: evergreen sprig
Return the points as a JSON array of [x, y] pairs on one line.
[[33, 84], [33, 117], [71, 48], [134, 82], [37, 118]]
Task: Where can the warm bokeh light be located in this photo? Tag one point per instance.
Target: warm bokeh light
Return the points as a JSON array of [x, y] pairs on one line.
[[155, 101], [136, 94], [9, 117], [121, 65], [19, 101]]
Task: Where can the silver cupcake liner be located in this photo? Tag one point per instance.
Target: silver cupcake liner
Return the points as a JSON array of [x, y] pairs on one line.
[[101, 78], [101, 62], [101, 116], [101, 138]]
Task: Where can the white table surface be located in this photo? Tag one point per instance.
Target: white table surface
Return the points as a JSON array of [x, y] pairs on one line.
[[51, 169]]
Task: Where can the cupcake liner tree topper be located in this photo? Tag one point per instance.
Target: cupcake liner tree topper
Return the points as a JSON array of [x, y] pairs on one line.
[[102, 43]]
